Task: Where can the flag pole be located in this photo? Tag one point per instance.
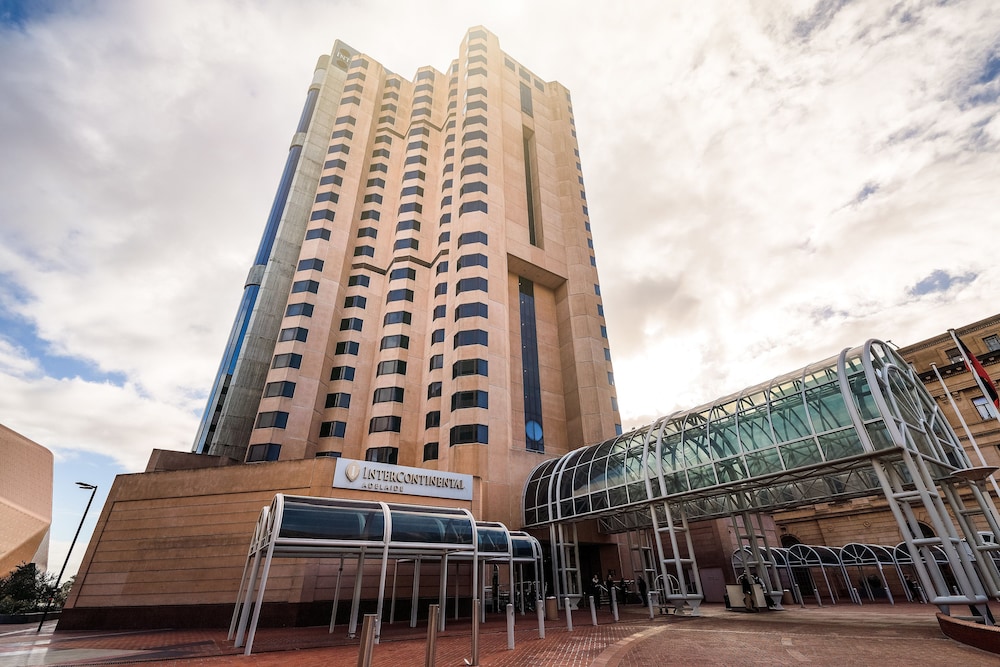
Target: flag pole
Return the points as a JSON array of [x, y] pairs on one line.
[[979, 381], [965, 427]]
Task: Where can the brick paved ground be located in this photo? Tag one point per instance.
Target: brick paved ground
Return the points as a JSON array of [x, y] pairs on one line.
[[835, 635]]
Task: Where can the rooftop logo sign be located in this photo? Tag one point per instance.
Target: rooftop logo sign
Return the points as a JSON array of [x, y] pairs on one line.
[[389, 478]]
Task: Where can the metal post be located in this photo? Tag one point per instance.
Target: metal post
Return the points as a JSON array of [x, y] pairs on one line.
[[93, 490], [540, 609], [415, 595], [475, 632], [336, 596], [510, 626], [614, 603], [367, 641], [432, 617], [569, 615], [593, 610], [649, 603]]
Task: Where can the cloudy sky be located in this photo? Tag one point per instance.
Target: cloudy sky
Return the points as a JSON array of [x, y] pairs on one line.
[[768, 182]]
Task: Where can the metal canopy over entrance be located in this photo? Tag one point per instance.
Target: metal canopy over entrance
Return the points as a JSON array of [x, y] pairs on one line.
[[857, 424], [313, 527]]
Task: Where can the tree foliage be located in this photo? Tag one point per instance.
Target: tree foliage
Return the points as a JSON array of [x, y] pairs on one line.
[[27, 589]]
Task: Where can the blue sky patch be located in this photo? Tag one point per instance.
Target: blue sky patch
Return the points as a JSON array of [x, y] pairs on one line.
[[940, 281]]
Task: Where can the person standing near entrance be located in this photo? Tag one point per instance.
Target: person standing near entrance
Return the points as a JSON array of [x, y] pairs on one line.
[[595, 590], [749, 599]]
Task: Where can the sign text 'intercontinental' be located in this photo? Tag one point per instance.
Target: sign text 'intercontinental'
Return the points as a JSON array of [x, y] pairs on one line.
[[388, 478]]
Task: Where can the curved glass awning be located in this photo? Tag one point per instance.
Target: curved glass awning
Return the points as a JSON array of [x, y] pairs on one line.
[[801, 437]]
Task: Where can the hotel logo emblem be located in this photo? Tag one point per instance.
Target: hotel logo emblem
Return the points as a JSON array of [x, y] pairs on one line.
[[352, 472]]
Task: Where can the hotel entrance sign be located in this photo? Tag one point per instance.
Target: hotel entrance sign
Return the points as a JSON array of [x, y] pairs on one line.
[[388, 478]]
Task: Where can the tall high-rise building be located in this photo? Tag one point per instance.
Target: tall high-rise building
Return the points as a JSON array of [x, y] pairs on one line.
[[426, 291]]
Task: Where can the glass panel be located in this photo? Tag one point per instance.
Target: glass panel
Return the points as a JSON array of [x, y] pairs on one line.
[[414, 527], [702, 476], [788, 417], [322, 522], [879, 435], [637, 492], [763, 462], [827, 408], [491, 540], [522, 547], [800, 453], [863, 397], [841, 444], [675, 483], [599, 501], [730, 470]]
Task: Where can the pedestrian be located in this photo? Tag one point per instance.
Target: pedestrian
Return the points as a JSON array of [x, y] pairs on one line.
[[642, 590], [749, 599], [595, 590]]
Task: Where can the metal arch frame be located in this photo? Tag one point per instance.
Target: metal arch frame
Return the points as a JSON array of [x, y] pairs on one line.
[[267, 544], [915, 451]]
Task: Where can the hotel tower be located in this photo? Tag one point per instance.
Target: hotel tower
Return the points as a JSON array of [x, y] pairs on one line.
[[425, 292]]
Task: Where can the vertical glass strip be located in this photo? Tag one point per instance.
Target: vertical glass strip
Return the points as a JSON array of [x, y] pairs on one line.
[[534, 435]]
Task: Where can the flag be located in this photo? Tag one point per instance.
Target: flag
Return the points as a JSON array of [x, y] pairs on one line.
[[977, 368]]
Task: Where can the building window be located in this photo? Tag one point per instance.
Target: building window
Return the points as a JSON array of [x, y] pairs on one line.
[[433, 390], [342, 373], [475, 186], [470, 367], [473, 237], [318, 233], [303, 309], [351, 324], [373, 198], [276, 419], [437, 336], [332, 429], [473, 206], [397, 317], [399, 295], [472, 285], [403, 244], [395, 341], [375, 183], [388, 395], [389, 423], [992, 343], [347, 347], [611, 378], [604, 331], [337, 148], [412, 190], [445, 219], [473, 337], [293, 334], [390, 367], [439, 312], [290, 360], [474, 151], [405, 273], [282, 389], [469, 399], [982, 406], [954, 356], [371, 215], [471, 310], [432, 419], [477, 259], [430, 451], [355, 301], [310, 265], [526, 100], [534, 435], [469, 433], [607, 354], [477, 168], [436, 361], [345, 133], [364, 251], [442, 267], [335, 164], [382, 454], [359, 279], [266, 452], [305, 286], [338, 400], [475, 135], [440, 289], [325, 214]]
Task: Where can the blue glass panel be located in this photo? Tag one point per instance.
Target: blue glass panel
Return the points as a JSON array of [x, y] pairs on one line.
[[323, 522]]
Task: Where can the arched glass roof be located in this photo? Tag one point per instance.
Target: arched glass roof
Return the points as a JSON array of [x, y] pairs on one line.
[[798, 438]]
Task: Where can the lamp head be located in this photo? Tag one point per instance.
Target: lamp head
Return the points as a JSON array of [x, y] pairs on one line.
[[84, 485]]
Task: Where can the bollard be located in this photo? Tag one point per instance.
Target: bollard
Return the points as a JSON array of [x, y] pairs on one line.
[[432, 621], [593, 611], [367, 641], [510, 627], [649, 603], [475, 633], [569, 615], [539, 607], [614, 603]]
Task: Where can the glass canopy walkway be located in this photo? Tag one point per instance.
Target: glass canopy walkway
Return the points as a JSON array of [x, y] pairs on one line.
[[312, 527], [858, 424]]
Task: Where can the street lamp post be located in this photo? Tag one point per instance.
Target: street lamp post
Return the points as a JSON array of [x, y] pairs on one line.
[[93, 490]]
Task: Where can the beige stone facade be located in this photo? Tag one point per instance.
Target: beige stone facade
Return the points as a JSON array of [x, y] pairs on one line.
[[25, 501]]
